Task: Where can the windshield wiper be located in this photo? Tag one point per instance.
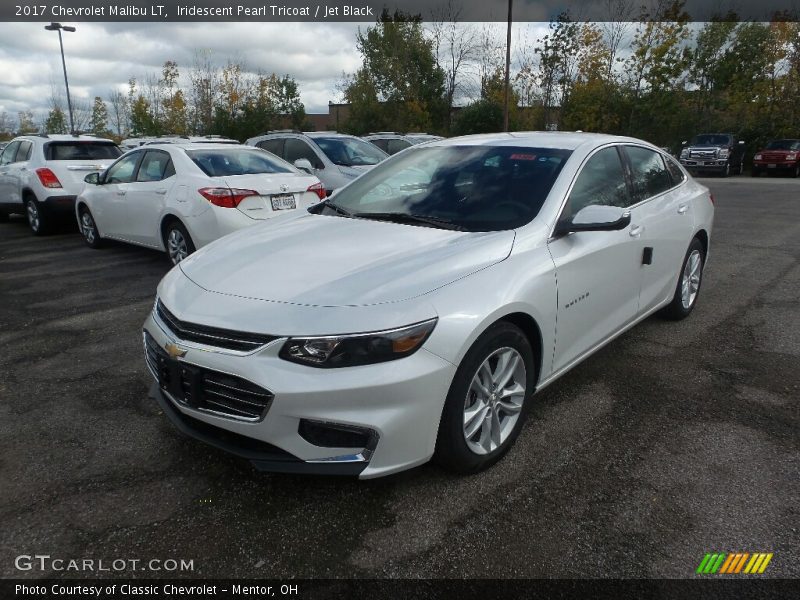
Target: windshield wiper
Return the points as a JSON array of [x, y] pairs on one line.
[[335, 207], [397, 217]]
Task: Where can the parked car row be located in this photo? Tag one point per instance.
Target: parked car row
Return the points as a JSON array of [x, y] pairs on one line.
[[724, 154]]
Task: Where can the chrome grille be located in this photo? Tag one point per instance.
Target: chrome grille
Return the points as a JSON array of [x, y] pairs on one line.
[[702, 153], [204, 389], [211, 336]]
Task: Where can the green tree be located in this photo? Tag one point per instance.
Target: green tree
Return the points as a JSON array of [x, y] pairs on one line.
[[99, 122], [56, 121], [401, 68]]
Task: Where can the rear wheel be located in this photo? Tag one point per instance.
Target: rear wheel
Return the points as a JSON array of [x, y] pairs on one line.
[[89, 229], [178, 242], [38, 220], [688, 288], [485, 406]]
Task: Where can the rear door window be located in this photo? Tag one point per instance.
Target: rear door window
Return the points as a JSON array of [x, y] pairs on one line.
[[154, 166], [674, 170], [81, 151], [648, 173], [274, 145]]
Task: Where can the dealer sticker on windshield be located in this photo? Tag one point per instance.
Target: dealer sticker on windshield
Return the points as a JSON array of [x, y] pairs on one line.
[[283, 202]]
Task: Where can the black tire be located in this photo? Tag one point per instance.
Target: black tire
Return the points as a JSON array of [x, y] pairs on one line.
[[726, 171], [3, 217], [796, 171], [677, 309], [38, 219], [452, 450], [740, 170], [176, 227], [754, 172], [88, 229]]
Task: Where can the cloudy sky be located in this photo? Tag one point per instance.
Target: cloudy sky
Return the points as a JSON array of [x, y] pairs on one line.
[[102, 56]]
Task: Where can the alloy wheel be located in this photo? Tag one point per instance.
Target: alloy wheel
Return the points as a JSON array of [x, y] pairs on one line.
[[494, 400], [176, 246], [33, 216], [690, 280], [87, 227]]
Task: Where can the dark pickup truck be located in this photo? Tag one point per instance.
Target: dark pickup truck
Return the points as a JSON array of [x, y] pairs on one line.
[[715, 152]]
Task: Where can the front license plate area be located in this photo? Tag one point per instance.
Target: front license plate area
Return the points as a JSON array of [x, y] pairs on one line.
[[771, 166], [283, 202]]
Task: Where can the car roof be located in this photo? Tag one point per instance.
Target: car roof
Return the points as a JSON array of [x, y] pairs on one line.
[[566, 140], [64, 137], [194, 146]]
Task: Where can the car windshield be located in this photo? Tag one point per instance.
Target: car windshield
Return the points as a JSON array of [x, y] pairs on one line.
[[468, 188], [350, 151], [784, 145], [237, 161], [82, 151], [711, 139]]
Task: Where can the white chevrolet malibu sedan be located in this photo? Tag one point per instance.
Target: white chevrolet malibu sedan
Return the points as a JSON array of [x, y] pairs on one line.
[[415, 313], [179, 197]]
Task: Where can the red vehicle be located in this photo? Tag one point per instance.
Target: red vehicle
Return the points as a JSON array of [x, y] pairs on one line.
[[779, 155]]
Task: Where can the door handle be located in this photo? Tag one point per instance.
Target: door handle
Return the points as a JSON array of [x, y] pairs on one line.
[[161, 191], [636, 231], [23, 168], [121, 192], [683, 208]]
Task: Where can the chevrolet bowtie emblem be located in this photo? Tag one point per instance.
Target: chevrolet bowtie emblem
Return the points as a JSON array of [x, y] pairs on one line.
[[174, 351]]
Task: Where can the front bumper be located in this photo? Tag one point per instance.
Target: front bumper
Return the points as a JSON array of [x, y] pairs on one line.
[[707, 164], [399, 401], [766, 166]]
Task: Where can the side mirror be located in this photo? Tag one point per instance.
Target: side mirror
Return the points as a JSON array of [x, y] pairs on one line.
[[684, 142], [93, 178], [596, 218], [304, 165]]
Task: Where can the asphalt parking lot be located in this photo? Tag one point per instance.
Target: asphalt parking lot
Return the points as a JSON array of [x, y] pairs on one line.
[[675, 440]]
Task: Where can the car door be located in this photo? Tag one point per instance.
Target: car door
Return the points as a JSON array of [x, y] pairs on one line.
[[9, 195], [110, 207], [146, 197], [597, 272], [665, 217]]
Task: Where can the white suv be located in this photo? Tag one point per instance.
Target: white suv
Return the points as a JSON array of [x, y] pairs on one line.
[[41, 175]]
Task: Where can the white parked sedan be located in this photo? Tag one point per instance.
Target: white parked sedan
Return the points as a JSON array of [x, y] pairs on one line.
[[415, 313], [181, 197]]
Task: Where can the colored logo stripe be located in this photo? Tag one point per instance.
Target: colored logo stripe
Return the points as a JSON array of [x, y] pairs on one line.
[[733, 563]]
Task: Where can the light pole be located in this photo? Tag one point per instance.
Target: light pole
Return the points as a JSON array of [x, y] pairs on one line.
[[508, 68], [58, 27]]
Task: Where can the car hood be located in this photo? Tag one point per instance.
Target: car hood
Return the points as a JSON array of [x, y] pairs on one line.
[[334, 261]]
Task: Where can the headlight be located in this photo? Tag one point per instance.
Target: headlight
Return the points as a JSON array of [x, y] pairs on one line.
[[757, 157], [685, 153], [724, 153], [358, 349], [791, 156]]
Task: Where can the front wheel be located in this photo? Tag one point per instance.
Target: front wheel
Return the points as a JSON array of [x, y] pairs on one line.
[[688, 288], [89, 229], [485, 407], [178, 242], [726, 171], [796, 171]]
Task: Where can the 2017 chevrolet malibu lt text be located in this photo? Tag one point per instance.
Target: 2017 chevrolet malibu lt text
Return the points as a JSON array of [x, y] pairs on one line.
[[414, 313]]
